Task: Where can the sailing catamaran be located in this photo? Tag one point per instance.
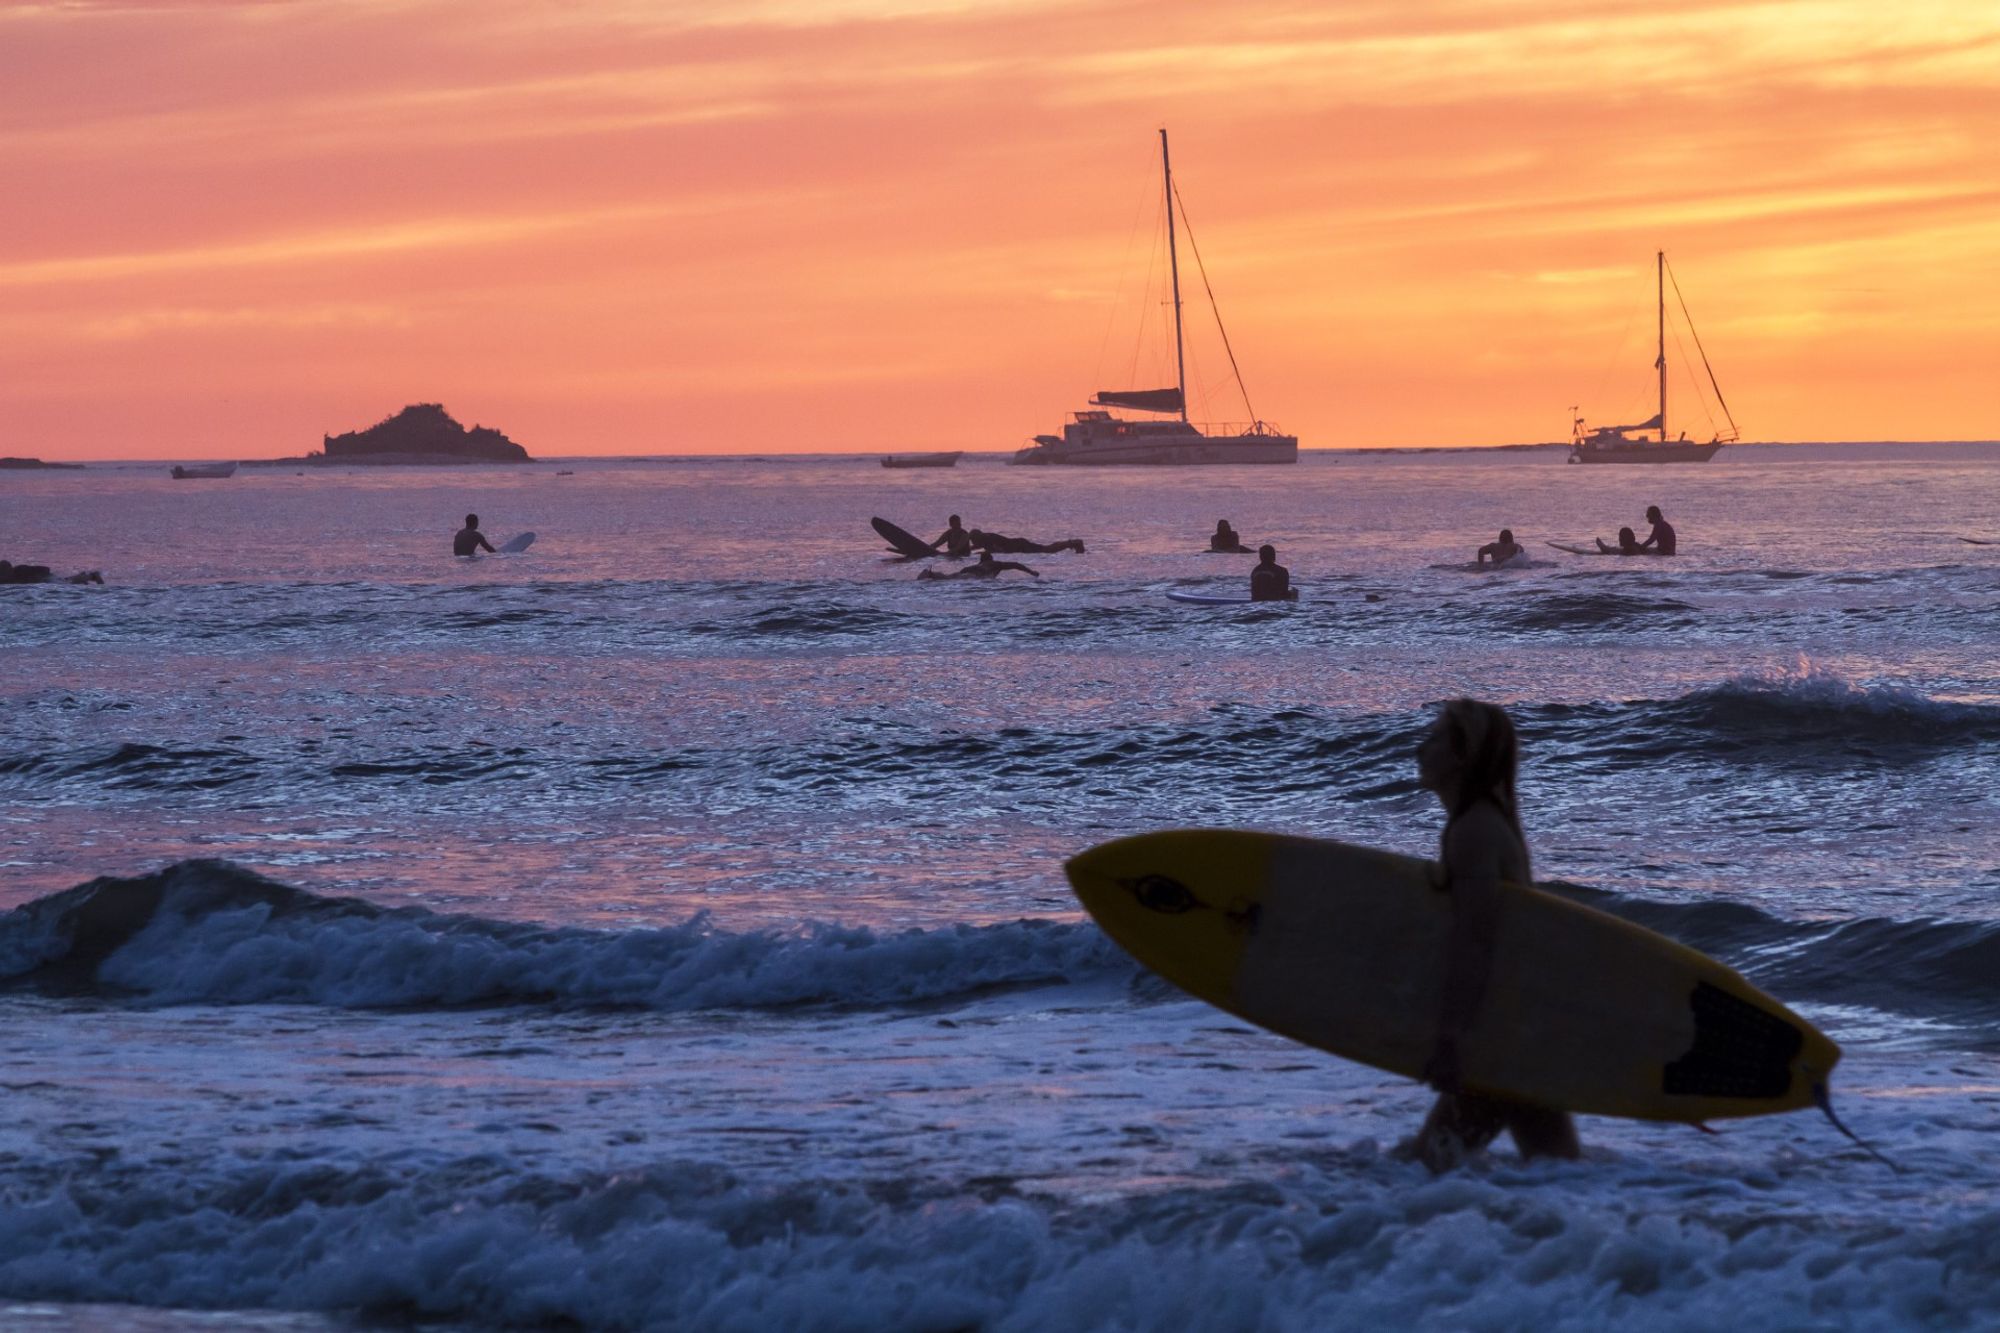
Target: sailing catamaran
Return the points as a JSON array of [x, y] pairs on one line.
[[1097, 437], [1617, 444]]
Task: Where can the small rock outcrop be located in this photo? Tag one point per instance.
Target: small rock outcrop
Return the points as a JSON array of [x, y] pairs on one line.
[[422, 433]]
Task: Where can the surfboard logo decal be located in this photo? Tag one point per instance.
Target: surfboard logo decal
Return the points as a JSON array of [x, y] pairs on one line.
[[1170, 897], [1739, 1050], [1157, 893]]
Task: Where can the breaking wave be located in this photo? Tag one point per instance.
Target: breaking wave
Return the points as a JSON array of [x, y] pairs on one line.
[[213, 932]]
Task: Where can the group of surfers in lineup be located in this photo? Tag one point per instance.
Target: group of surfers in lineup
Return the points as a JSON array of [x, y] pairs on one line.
[[957, 539], [1269, 580], [1661, 541]]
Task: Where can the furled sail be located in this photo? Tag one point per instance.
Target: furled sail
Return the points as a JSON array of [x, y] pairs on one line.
[[1651, 423], [1143, 400]]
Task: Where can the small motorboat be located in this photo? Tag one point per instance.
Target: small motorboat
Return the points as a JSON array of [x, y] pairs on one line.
[[205, 472], [922, 460]]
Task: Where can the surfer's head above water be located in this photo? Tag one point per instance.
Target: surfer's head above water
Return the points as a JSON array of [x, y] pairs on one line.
[[1267, 555], [472, 520], [1471, 754]]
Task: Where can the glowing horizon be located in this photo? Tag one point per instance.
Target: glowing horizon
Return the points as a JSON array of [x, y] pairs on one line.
[[875, 225]]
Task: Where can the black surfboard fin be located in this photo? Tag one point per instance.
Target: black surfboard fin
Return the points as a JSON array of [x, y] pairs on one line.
[[1822, 1100]]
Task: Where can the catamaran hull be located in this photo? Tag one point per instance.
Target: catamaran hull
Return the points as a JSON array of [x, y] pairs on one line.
[[1652, 453], [1210, 450]]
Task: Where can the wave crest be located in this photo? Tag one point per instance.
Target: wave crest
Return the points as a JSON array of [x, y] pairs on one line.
[[213, 932]]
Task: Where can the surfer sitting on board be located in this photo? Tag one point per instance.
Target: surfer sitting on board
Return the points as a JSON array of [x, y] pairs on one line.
[[955, 539], [997, 541], [469, 540], [1468, 758], [1226, 540], [986, 567], [1661, 542], [1269, 580], [1502, 550], [1628, 544]]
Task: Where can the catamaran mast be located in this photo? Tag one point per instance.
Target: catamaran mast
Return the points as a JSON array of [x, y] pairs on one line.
[[1174, 262], [1660, 278]]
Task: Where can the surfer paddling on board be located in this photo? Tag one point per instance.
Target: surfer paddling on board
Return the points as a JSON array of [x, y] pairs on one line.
[[1269, 580], [1005, 545], [1468, 758], [986, 567], [1225, 539], [954, 539], [469, 540], [1500, 551]]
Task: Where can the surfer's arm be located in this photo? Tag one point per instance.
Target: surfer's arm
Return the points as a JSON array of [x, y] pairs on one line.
[[1472, 864]]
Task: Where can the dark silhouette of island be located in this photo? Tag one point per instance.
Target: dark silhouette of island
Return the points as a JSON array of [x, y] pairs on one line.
[[422, 433], [36, 462]]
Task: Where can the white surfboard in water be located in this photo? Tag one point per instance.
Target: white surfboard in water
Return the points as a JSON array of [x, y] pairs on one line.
[[1209, 599], [516, 545]]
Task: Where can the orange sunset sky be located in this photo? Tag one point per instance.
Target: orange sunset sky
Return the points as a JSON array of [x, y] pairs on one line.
[[637, 226]]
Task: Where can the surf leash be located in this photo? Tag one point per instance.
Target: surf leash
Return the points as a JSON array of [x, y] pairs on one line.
[[1824, 1102]]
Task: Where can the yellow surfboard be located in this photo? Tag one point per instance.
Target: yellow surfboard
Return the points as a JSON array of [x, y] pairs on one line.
[[1343, 948]]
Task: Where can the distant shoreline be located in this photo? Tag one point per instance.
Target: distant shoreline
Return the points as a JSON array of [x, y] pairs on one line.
[[321, 462]]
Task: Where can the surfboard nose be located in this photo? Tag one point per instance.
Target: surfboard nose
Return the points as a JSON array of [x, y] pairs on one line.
[[1165, 899]]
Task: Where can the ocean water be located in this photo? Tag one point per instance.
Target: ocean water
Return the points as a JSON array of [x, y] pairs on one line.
[[664, 928]]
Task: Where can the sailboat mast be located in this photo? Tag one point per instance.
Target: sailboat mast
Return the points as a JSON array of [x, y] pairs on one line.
[[1660, 278], [1174, 263]]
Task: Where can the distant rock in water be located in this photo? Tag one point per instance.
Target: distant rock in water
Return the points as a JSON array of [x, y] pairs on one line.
[[422, 433], [36, 462]]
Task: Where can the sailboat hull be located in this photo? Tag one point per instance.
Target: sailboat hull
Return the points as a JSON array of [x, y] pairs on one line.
[[1184, 451], [1638, 452]]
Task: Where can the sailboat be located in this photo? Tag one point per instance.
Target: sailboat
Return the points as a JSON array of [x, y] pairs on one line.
[[1628, 444], [1096, 437]]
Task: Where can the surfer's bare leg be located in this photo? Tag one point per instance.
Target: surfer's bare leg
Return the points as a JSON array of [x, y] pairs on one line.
[[1541, 1131], [1459, 1124]]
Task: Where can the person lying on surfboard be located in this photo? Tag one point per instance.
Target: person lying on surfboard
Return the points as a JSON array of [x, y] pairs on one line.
[[986, 567], [469, 540], [954, 539], [1269, 580], [1225, 539], [1469, 758], [1628, 544], [1500, 551], [1005, 545]]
